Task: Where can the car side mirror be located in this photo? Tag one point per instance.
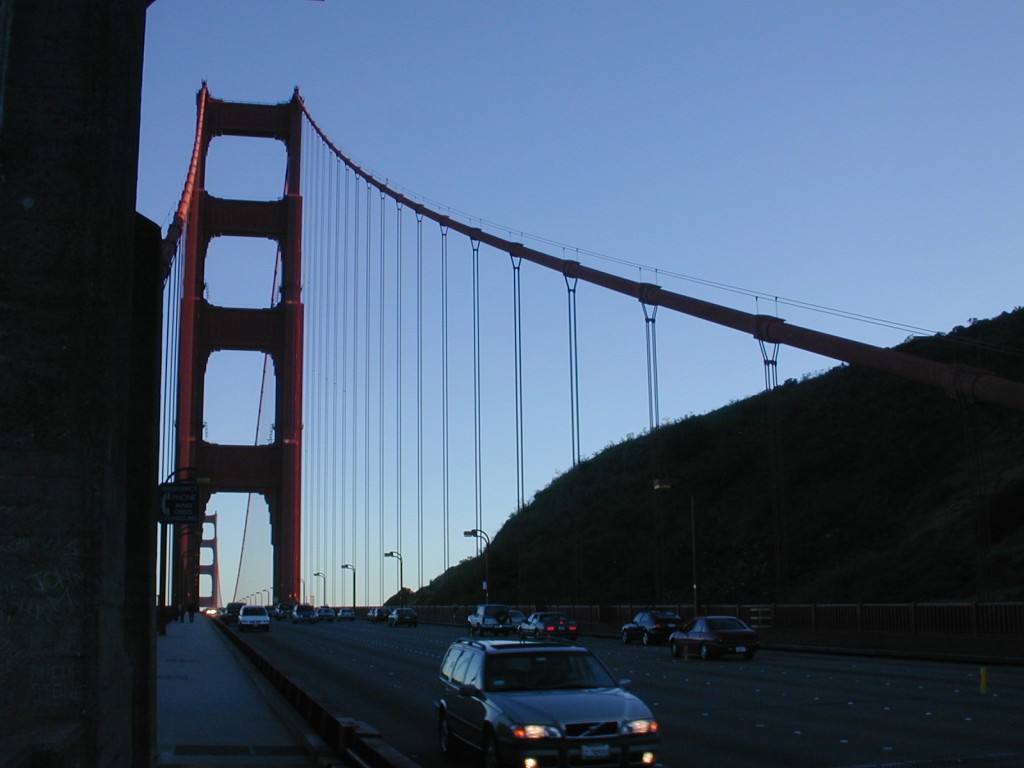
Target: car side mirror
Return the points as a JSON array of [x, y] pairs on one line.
[[625, 682], [467, 689]]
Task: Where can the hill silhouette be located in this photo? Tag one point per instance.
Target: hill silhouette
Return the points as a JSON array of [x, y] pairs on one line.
[[850, 486]]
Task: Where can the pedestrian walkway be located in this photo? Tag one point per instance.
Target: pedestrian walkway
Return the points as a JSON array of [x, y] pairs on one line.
[[215, 709]]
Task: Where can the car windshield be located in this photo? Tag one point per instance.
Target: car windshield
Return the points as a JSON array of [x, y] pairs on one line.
[[665, 616], [254, 610], [543, 670]]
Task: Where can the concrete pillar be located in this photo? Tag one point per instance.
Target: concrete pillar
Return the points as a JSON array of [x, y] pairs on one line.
[[77, 445]]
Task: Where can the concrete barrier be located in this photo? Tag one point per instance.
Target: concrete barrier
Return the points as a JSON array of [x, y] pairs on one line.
[[353, 741]]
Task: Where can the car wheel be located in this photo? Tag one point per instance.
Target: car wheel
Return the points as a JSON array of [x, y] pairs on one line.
[[491, 758], [625, 636], [705, 653], [448, 743], [648, 640], [676, 651], [749, 654]]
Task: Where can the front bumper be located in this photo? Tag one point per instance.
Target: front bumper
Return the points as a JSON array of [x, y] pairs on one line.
[[617, 752]]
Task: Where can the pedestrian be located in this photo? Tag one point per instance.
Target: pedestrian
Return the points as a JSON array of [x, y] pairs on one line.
[[181, 613], [192, 608]]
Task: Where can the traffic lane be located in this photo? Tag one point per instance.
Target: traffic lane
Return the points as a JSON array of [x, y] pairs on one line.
[[781, 709], [789, 709], [383, 676]]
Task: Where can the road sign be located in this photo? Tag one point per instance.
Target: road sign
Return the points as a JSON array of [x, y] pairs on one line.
[[179, 503]]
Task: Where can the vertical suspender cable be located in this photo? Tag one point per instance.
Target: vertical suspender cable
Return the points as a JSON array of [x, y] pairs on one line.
[[771, 383], [321, 339], [517, 322], [650, 315], [477, 476], [444, 391], [333, 333], [366, 397], [340, 329], [419, 394], [398, 376], [574, 384], [380, 391], [355, 375]]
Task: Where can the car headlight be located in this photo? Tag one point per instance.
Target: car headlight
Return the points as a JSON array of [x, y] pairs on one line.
[[536, 732], [640, 726]]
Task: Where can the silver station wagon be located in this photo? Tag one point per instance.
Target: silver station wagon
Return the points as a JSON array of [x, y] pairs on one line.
[[540, 704]]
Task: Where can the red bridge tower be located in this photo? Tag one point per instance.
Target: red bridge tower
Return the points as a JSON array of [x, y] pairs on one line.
[[271, 470]]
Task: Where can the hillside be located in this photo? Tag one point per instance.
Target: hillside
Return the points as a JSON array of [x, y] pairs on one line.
[[884, 491]]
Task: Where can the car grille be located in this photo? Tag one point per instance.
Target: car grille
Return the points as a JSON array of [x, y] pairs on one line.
[[587, 730]]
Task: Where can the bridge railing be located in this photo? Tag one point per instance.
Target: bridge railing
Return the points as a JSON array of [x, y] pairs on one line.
[[954, 628], [899, 618]]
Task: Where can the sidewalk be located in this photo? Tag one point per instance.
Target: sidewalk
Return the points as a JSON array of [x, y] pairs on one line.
[[215, 709]]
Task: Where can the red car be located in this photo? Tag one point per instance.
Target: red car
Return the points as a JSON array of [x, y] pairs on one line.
[[711, 636]]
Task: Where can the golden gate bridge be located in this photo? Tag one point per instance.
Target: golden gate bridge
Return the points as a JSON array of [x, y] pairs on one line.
[[364, 285]]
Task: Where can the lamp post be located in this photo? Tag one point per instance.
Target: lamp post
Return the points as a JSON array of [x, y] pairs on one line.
[[350, 567], [476, 533], [322, 576], [401, 575], [667, 484], [302, 583]]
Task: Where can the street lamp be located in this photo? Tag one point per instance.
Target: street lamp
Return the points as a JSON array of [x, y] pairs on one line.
[[350, 567], [321, 575], [666, 485], [476, 533], [302, 583], [401, 575]]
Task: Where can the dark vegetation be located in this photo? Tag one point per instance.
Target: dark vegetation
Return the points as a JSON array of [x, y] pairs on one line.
[[884, 491]]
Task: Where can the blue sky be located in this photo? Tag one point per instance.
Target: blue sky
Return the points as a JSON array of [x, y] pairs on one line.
[[861, 157]]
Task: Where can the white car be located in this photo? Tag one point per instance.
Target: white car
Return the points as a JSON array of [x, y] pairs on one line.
[[346, 614], [254, 617]]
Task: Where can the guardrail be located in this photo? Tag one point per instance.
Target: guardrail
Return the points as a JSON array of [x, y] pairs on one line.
[[990, 632], [904, 618]]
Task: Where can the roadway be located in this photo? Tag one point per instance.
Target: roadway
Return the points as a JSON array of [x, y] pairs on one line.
[[781, 709]]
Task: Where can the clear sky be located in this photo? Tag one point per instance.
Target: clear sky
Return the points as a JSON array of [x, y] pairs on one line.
[[807, 159]]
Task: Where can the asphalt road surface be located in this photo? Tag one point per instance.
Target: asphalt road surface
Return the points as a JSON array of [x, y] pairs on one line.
[[781, 709]]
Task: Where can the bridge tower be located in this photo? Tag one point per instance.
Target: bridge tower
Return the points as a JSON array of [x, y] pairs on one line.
[[212, 568], [271, 470]]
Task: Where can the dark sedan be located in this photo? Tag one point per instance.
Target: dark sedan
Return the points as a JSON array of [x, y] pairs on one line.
[[304, 614], [548, 625], [403, 617], [651, 626], [711, 636]]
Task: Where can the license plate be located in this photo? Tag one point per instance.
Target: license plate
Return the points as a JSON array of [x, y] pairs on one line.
[[741, 649], [594, 751]]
